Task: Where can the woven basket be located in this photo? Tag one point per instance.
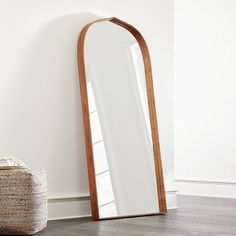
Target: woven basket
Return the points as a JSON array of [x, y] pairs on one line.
[[23, 198]]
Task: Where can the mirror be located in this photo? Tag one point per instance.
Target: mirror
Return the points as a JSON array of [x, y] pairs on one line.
[[122, 145]]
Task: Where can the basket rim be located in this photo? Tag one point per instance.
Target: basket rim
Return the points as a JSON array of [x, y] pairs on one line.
[[12, 167]]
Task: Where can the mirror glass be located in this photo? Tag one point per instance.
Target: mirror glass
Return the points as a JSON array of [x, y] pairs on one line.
[[120, 125]]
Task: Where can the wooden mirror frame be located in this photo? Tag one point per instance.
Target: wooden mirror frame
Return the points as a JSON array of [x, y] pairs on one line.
[[152, 113]]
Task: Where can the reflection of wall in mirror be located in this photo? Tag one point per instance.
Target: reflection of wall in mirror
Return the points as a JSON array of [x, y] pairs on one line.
[[135, 59], [118, 107], [106, 202], [136, 63]]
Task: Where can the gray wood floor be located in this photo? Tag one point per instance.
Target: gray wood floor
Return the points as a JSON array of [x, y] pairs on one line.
[[195, 216]]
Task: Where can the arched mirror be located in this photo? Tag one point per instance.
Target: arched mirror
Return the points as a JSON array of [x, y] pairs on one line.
[[120, 125]]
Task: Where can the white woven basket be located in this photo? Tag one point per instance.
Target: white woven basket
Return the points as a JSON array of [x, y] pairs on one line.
[[23, 198]]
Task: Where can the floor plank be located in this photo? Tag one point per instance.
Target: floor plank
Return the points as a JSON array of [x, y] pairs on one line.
[[197, 216]]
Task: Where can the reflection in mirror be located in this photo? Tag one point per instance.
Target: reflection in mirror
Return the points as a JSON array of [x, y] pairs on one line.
[[120, 123]]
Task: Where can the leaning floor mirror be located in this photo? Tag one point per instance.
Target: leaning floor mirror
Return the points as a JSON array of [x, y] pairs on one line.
[[120, 122]]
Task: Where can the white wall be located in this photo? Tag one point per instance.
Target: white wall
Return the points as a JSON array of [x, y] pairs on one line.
[[205, 100], [40, 115]]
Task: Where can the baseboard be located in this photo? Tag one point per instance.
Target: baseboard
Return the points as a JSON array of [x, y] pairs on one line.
[[171, 199], [206, 188], [68, 207]]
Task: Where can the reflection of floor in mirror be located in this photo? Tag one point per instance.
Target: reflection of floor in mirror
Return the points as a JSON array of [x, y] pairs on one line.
[[201, 216]]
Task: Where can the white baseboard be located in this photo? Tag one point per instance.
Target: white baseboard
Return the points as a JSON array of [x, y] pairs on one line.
[[206, 188], [68, 207], [171, 199]]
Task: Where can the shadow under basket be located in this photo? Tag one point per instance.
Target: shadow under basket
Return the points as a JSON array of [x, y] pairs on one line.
[[23, 200]]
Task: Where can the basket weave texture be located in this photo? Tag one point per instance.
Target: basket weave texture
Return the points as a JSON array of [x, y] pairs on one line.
[[23, 200]]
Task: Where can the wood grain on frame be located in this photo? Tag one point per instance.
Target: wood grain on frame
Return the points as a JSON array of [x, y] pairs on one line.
[[152, 114]]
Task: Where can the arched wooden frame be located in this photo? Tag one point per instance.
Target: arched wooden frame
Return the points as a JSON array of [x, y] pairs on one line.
[[152, 114]]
